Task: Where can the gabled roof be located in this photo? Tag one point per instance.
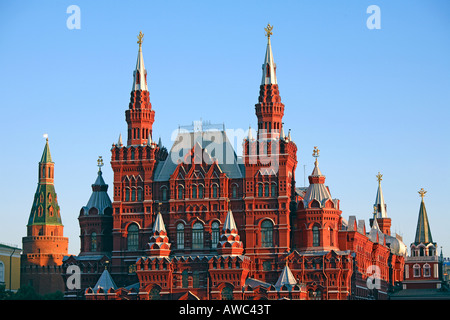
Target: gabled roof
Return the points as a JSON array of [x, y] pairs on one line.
[[217, 146]]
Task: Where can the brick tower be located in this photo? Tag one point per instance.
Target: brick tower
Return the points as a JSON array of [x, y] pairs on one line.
[[44, 246], [270, 163], [133, 166]]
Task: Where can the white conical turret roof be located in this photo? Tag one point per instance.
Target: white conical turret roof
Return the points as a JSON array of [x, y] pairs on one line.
[[159, 226], [229, 224], [269, 66], [379, 205], [286, 278], [140, 73]]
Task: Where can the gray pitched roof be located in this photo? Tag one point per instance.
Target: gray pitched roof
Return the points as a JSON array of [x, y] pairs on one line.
[[217, 147]]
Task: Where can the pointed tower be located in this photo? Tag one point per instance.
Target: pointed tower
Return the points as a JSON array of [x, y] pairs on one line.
[[134, 164], [422, 266], [139, 116], [230, 243], [269, 109], [159, 245], [318, 215], [45, 244], [380, 210], [270, 161], [96, 219]]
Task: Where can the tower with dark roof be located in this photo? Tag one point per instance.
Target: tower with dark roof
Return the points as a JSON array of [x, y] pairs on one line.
[[45, 246], [96, 219], [422, 266]]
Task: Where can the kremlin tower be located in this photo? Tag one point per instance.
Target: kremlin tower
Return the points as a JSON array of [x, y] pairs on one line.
[[45, 246]]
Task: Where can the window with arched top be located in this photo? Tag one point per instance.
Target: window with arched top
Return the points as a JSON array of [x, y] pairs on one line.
[[234, 191], [180, 236], [266, 190], [194, 192], [133, 237], [274, 190], [227, 293], [426, 270], [260, 190], [315, 233], [214, 191], [164, 194], [139, 194], [133, 194], [184, 279], [197, 236], [416, 270], [266, 234], [180, 192], [93, 242], [127, 194], [215, 234], [200, 192]]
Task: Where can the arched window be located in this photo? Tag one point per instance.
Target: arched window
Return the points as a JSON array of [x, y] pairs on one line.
[[127, 194], [194, 192], [139, 194], [214, 189], [180, 192], [426, 270], [233, 191], [154, 294], [164, 194], [184, 279], [197, 236], [196, 279], [274, 190], [266, 190], [260, 190], [133, 237], [227, 293], [132, 153], [422, 251], [133, 194], [315, 231], [416, 269], [180, 236], [200, 192], [215, 233], [93, 242], [266, 234]]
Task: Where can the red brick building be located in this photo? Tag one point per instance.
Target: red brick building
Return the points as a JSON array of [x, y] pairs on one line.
[[199, 222]]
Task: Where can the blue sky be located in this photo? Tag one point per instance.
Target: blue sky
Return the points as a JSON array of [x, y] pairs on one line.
[[371, 100]]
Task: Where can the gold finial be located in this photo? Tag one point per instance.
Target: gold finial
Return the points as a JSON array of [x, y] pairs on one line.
[[140, 37], [268, 30], [315, 152], [99, 163], [379, 176], [375, 210], [422, 193]]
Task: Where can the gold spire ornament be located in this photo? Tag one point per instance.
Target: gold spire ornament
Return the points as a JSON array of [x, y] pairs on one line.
[[422, 193], [99, 163], [315, 152], [379, 176], [268, 30], [140, 37]]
